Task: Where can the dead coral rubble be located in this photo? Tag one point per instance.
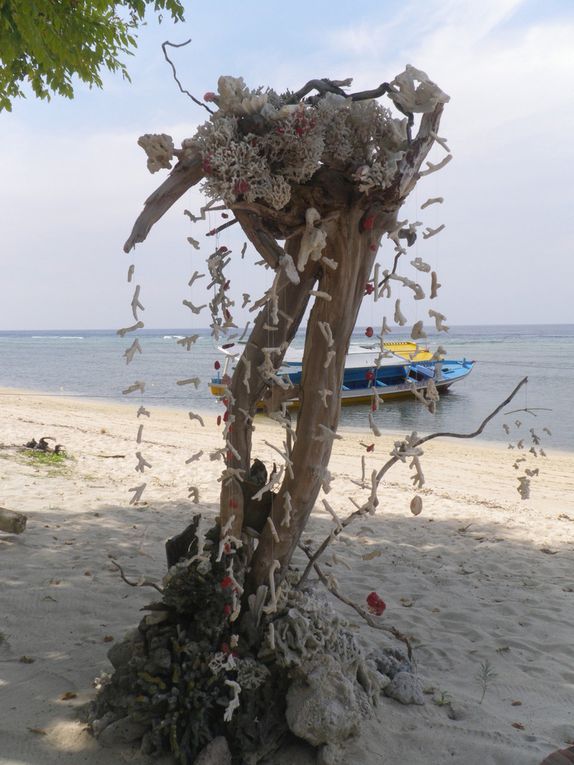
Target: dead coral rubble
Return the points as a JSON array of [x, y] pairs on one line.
[[189, 674]]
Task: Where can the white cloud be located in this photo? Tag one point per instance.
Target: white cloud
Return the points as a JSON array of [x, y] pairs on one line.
[[68, 208], [508, 192], [72, 197]]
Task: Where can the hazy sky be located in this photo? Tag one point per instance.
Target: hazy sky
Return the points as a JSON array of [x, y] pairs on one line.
[[73, 178]]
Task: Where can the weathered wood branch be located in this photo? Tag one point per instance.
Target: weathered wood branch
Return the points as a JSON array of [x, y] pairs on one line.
[[355, 606], [187, 173], [363, 95], [324, 85], [483, 424], [312, 448], [259, 237], [174, 72], [293, 300], [314, 557], [144, 583], [221, 228], [284, 221], [183, 545], [410, 165]]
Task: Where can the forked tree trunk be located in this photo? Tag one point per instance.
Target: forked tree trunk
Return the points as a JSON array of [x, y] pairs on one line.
[[353, 246], [354, 251], [293, 300]]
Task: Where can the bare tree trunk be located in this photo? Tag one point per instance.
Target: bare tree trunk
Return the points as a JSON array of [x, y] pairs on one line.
[[352, 245], [354, 251], [293, 300]]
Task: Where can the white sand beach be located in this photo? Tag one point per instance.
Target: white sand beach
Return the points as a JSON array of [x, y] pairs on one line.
[[479, 576]]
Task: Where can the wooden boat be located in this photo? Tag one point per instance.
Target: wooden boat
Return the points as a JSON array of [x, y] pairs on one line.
[[404, 366]]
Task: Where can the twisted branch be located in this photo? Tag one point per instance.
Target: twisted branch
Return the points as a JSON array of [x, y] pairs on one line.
[[361, 611], [145, 583], [174, 72], [389, 464], [324, 85]]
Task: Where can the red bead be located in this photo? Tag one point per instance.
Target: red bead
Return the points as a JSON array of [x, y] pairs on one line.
[[368, 223], [217, 365], [370, 375], [218, 420], [376, 604], [241, 187], [369, 288], [369, 332]]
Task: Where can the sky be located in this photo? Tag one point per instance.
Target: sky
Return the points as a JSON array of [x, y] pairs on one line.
[[73, 180]]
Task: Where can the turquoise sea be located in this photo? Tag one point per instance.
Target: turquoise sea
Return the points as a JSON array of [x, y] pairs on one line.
[[89, 363]]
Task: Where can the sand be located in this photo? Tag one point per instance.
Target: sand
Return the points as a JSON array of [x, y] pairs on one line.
[[480, 576]]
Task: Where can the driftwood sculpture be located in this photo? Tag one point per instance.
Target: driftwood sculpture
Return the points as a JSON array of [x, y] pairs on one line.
[[327, 174], [239, 652]]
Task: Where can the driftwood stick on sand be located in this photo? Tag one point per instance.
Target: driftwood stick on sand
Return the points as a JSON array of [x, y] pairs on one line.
[[12, 522], [386, 467]]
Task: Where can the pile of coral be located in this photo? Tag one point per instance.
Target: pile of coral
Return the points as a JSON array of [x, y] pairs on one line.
[[199, 668], [259, 143]]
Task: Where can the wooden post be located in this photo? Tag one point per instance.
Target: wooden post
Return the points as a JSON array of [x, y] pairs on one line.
[[12, 522]]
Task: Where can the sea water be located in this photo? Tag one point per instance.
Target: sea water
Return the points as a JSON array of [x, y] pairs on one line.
[[90, 364]]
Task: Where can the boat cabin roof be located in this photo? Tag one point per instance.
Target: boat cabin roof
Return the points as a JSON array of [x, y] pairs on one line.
[[359, 356]]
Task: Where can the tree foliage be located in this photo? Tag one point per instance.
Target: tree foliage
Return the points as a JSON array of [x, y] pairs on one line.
[[46, 42]]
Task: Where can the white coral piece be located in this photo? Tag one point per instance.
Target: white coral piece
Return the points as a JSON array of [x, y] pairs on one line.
[[417, 332], [159, 149], [416, 98], [313, 240], [399, 317], [232, 93]]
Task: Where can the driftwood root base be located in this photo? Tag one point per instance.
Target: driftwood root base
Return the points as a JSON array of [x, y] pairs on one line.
[[174, 676]]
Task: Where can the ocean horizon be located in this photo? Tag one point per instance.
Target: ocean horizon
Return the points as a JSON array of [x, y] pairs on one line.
[[90, 364]]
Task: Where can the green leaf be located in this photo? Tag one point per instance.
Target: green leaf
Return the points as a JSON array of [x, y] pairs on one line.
[[45, 43]]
